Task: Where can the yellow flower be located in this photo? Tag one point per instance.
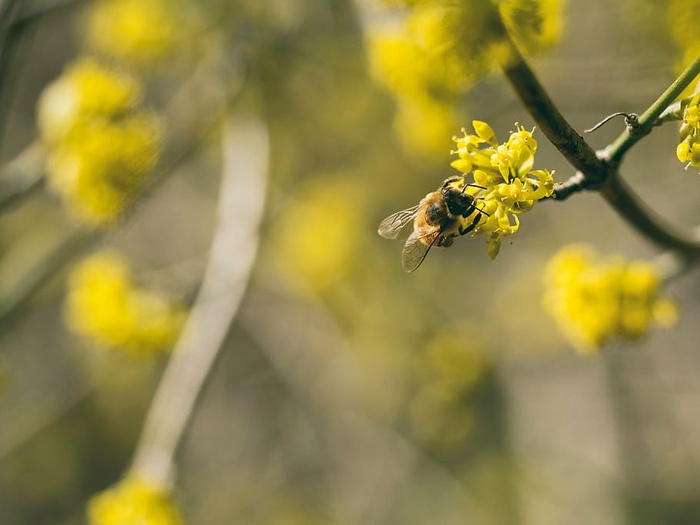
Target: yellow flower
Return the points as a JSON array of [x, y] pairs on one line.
[[86, 90], [101, 144], [594, 300], [534, 24], [443, 46], [507, 184], [688, 151], [140, 32], [423, 124], [319, 234], [102, 166], [106, 308], [133, 501], [429, 60]]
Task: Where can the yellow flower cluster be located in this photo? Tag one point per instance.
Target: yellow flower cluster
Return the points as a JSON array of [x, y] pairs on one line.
[[105, 307], [442, 47], [594, 300], [534, 24], [421, 62], [101, 143], [139, 32], [508, 184], [440, 414], [133, 501], [688, 151]]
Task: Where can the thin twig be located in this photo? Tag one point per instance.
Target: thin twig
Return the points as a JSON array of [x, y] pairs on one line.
[[631, 121], [31, 280], [21, 177], [602, 173], [233, 251], [34, 11], [648, 119], [10, 56]]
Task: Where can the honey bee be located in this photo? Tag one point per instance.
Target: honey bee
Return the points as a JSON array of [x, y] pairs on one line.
[[439, 217]]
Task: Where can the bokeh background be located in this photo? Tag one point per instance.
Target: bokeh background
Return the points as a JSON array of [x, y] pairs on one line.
[[348, 392]]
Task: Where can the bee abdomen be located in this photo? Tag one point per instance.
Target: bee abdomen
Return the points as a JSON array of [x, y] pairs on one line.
[[436, 213]]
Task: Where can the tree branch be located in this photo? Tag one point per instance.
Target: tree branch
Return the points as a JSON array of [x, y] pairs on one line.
[[600, 170], [549, 119], [648, 119], [20, 177], [233, 251]]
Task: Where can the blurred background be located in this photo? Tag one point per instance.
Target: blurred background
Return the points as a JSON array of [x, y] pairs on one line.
[[348, 392]]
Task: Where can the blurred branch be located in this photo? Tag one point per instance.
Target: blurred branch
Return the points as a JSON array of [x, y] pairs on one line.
[[34, 277], [37, 9], [30, 423], [20, 177], [9, 9], [10, 32], [241, 204]]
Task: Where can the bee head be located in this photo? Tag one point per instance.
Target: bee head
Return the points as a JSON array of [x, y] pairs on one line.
[[456, 198]]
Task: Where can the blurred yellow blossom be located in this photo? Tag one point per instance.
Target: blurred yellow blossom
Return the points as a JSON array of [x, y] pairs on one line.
[[105, 307], [594, 300], [101, 144], [535, 25], [683, 16], [87, 90], [133, 501], [507, 184], [319, 233], [441, 47], [417, 62], [450, 367], [140, 32], [423, 124]]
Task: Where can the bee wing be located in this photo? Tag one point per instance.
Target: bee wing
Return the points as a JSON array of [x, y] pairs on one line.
[[415, 250], [399, 224]]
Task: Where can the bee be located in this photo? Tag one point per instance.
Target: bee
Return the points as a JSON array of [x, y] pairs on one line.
[[439, 217]]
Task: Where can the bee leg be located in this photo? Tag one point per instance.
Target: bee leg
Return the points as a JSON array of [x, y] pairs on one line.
[[472, 225], [445, 240]]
